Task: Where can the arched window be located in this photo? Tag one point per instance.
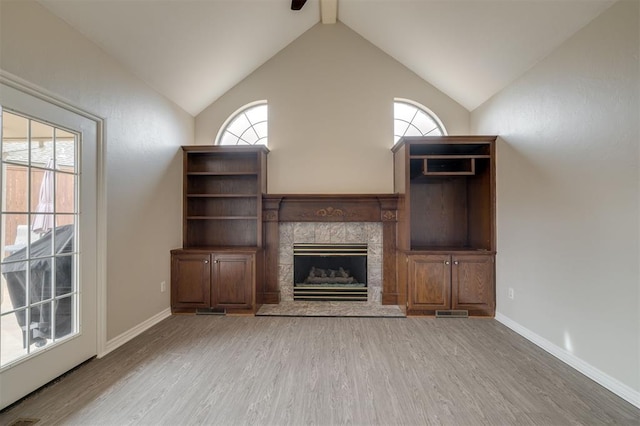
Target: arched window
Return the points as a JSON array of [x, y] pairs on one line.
[[412, 119], [246, 126]]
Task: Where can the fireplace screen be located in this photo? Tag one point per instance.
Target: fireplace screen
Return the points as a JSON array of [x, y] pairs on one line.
[[330, 272]]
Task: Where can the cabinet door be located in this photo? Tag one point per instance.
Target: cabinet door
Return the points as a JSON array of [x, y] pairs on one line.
[[190, 280], [472, 284], [429, 282], [233, 281]]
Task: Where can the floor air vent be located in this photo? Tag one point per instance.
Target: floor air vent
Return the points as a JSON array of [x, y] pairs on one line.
[[211, 311], [452, 313]]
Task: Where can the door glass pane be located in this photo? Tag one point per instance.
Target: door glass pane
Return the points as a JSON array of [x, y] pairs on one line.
[[38, 231], [64, 275], [39, 326], [65, 193], [42, 194], [41, 280], [41, 143], [15, 236], [13, 344], [65, 151], [16, 185], [14, 287], [64, 318], [15, 138]]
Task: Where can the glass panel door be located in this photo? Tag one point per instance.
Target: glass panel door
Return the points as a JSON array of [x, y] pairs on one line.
[[48, 297]]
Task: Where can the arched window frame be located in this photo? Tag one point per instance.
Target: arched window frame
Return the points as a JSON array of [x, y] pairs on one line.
[[236, 114], [439, 130]]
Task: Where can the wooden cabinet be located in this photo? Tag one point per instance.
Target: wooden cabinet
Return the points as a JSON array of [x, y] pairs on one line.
[[473, 284], [233, 280], [190, 280], [446, 222], [223, 279], [429, 282], [450, 281], [219, 264]]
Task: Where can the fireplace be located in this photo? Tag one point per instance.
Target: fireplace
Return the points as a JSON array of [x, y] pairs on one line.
[[368, 219], [335, 272]]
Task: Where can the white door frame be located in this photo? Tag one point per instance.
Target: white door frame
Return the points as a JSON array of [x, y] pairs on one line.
[[101, 199]]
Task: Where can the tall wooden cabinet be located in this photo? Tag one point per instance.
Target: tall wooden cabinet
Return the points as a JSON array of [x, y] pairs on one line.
[[446, 223], [219, 264]]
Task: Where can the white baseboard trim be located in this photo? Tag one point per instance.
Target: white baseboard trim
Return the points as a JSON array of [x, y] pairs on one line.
[[120, 340], [614, 385]]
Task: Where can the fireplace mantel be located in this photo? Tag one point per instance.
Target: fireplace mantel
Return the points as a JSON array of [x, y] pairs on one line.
[[278, 208], [330, 208]]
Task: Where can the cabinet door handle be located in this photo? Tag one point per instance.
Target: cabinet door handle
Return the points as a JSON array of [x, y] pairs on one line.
[[446, 262], [206, 261], [455, 263]]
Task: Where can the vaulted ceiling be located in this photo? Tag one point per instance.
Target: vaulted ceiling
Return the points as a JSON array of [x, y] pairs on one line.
[[193, 51]]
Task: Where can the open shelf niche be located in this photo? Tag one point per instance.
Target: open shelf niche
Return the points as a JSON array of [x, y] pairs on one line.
[[223, 189]]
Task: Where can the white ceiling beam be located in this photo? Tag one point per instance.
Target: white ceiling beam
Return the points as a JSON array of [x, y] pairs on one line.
[[328, 11]]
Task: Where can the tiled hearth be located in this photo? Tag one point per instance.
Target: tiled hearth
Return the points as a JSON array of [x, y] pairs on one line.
[[301, 308], [369, 233]]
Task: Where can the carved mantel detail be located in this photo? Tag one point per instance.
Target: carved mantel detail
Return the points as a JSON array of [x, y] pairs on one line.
[[330, 212], [270, 216], [389, 216]]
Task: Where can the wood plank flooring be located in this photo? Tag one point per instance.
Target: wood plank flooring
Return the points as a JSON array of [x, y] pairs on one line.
[[325, 371]]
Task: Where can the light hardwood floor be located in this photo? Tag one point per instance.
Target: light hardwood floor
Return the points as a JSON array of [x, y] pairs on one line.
[[325, 371]]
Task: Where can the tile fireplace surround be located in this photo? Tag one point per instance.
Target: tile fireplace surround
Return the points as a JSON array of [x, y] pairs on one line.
[[311, 218], [369, 233]]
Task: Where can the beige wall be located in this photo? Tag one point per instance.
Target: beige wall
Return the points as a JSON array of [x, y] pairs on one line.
[[143, 166], [330, 95], [568, 195]]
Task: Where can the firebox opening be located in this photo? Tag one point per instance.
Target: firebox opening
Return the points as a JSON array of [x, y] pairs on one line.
[[330, 272]]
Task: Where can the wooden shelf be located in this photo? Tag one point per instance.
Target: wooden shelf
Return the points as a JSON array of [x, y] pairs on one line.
[[222, 195], [222, 217], [450, 249], [448, 164], [223, 187], [222, 173], [224, 184], [221, 232], [448, 157]]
